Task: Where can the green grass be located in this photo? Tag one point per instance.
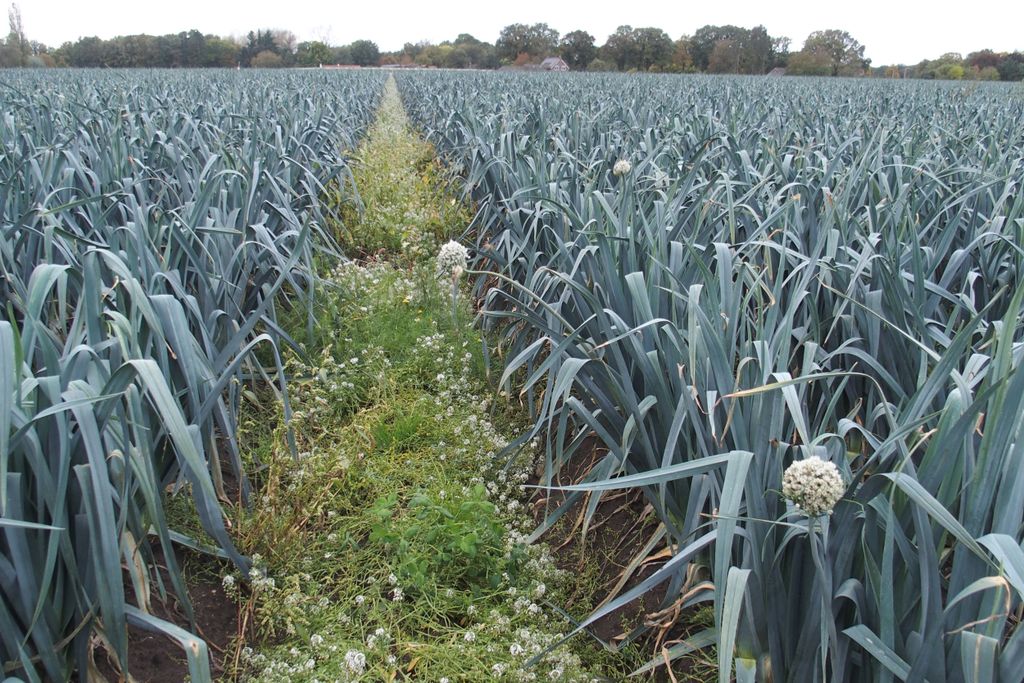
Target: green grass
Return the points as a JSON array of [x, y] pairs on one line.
[[407, 206]]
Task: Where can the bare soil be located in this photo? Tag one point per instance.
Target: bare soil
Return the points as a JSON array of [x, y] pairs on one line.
[[622, 525], [156, 659]]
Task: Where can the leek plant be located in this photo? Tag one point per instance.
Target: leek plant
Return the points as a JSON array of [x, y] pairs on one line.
[[719, 277], [152, 226]]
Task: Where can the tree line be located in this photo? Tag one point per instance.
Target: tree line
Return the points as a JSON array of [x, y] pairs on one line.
[[711, 49]]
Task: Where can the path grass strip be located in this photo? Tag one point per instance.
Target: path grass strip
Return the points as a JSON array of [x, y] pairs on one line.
[[392, 548]]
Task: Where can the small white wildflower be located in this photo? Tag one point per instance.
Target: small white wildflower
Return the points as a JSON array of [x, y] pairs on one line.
[[392, 579], [622, 167], [316, 640], [469, 636], [814, 485], [229, 582], [516, 650], [355, 661], [397, 595], [360, 599]]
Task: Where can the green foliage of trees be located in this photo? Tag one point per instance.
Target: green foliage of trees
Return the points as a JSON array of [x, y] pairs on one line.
[[267, 59], [578, 49], [844, 54], [536, 40], [17, 50], [734, 49], [365, 53], [983, 65], [640, 49], [711, 49], [313, 53], [1012, 67], [805, 63]]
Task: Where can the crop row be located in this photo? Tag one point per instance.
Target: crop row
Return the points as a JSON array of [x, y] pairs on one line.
[[718, 277], [151, 226]]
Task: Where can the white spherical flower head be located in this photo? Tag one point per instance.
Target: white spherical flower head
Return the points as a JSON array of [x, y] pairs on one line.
[[622, 167], [814, 485], [452, 256], [355, 661]]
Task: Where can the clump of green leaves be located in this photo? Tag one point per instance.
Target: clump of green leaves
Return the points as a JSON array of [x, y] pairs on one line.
[[455, 541]]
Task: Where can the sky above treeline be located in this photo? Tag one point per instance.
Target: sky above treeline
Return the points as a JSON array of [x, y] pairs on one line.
[[894, 31]]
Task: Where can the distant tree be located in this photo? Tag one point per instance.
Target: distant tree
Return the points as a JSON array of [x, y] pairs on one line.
[[806, 63], [988, 73], [780, 51], [44, 60], [535, 40], [983, 58], [219, 52], [365, 53], [726, 57], [457, 58], [16, 39], [267, 59], [341, 54], [734, 49], [86, 52], [1012, 67], [620, 48], [682, 62], [479, 54], [844, 53], [703, 42], [260, 41], [599, 64], [190, 49], [312, 53], [285, 41], [948, 67], [435, 55], [654, 48], [758, 52], [577, 49], [410, 50]]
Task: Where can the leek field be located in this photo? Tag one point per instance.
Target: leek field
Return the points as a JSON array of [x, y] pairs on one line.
[[683, 284], [789, 268]]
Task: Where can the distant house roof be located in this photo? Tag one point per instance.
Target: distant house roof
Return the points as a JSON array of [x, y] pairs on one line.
[[554, 64], [777, 71]]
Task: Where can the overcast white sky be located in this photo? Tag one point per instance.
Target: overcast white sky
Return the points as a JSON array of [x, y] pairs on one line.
[[893, 30]]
